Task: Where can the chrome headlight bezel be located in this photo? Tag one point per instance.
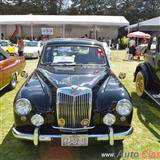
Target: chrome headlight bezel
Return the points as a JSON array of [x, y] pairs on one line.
[[121, 107], [23, 107]]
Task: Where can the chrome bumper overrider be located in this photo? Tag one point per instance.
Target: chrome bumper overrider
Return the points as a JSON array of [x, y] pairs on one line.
[[36, 137]]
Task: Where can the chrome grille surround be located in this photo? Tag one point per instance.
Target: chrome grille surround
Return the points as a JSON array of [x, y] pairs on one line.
[[73, 105]]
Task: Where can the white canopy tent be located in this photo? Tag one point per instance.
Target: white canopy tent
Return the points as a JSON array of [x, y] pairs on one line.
[[63, 20]]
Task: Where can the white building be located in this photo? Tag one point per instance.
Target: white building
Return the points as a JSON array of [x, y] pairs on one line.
[[63, 25]]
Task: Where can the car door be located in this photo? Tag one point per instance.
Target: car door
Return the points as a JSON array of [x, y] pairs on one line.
[[150, 56], [157, 59], [6, 67], [2, 72], [153, 55]]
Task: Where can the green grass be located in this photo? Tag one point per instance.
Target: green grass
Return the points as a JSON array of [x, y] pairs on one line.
[[146, 123]]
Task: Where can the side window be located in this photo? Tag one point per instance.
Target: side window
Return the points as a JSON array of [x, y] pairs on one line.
[[153, 45], [159, 44], [2, 57]]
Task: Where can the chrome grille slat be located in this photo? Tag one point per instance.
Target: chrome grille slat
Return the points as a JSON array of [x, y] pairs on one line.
[[73, 108]]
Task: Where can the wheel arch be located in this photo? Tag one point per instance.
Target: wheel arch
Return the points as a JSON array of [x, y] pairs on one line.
[[146, 70]]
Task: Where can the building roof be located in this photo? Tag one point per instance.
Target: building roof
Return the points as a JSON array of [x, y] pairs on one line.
[[64, 19]]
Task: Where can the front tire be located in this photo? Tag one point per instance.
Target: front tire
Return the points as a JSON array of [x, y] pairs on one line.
[[140, 84], [13, 82]]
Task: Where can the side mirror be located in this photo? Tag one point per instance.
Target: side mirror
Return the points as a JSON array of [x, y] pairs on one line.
[[24, 74], [122, 75]]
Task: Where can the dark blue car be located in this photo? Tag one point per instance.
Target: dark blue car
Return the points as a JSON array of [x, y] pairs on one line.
[[72, 95]]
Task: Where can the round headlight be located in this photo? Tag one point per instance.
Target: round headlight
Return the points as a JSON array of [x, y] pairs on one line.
[[23, 106], [124, 107], [109, 119], [37, 120]]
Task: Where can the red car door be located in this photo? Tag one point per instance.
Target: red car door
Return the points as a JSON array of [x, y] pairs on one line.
[[5, 74]]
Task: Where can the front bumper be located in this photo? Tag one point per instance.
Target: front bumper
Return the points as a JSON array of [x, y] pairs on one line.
[[31, 55], [36, 136]]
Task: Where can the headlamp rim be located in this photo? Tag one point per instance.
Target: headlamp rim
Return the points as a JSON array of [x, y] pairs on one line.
[[124, 101], [26, 100]]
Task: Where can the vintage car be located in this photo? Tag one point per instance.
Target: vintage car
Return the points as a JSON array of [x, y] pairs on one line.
[[32, 49], [147, 74], [9, 47], [10, 67], [72, 95]]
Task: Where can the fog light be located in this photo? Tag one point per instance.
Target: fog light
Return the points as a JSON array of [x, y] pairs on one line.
[[37, 120], [61, 122], [85, 122], [109, 119]]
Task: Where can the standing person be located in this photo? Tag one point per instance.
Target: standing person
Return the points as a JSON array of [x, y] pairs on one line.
[[2, 36], [132, 42], [20, 44], [86, 36], [132, 48]]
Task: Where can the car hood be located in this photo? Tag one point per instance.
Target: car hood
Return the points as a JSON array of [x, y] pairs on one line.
[[30, 49], [86, 76], [41, 87], [4, 47]]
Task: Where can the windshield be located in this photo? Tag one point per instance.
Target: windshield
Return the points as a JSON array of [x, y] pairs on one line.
[[73, 55], [4, 43], [31, 44]]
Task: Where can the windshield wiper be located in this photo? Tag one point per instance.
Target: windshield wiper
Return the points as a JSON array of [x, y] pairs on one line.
[[60, 64], [72, 64]]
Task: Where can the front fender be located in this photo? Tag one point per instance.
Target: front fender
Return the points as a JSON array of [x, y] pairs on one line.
[[37, 92], [109, 94]]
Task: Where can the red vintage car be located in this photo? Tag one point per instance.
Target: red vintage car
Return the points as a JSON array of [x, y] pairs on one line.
[[10, 67]]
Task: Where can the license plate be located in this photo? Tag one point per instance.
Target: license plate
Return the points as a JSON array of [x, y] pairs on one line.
[[29, 54], [74, 140]]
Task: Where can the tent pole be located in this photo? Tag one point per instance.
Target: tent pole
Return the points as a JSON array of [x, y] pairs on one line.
[[31, 31], [129, 38], [0, 30], [95, 32], [64, 28]]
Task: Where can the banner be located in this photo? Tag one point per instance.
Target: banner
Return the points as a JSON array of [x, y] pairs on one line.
[[47, 31]]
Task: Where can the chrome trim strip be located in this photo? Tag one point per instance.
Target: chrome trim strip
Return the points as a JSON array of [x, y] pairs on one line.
[[73, 129], [152, 97], [48, 137]]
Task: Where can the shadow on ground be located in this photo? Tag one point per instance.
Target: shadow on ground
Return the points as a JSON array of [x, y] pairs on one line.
[[4, 91], [12, 148], [148, 113]]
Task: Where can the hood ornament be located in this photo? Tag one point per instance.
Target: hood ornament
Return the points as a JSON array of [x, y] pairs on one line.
[[74, 90]]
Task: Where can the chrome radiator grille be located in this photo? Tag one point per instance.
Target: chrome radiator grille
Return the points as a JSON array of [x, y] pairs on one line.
[[74, 105]]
